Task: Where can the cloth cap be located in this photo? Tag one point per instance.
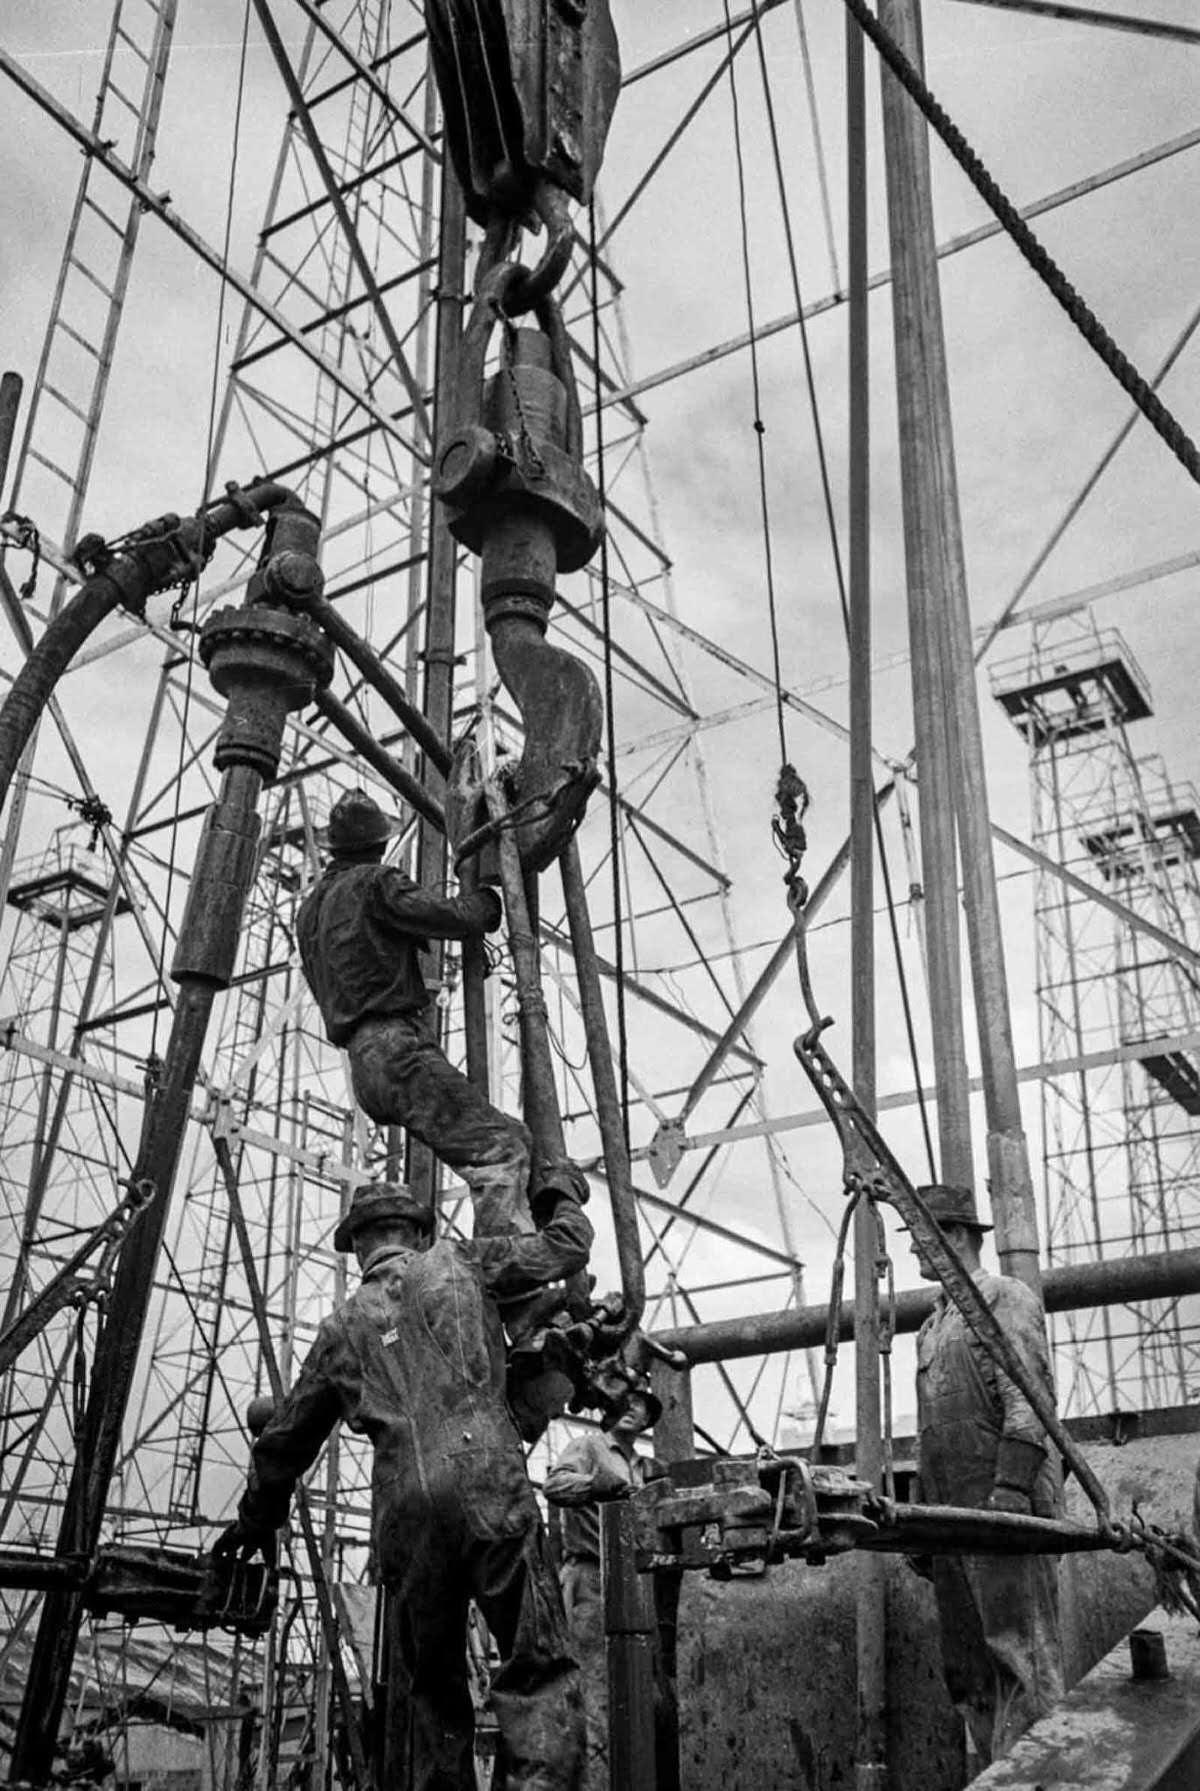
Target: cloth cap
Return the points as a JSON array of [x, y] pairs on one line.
[[951, 1204], [356, 822], [373, 1203]]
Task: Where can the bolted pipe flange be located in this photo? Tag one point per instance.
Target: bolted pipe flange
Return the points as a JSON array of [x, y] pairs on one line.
[[266, 662]]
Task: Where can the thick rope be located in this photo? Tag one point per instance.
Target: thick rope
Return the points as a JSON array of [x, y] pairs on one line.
[[1036, 254]]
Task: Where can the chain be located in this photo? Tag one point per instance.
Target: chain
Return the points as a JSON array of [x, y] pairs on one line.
[[885, 1272], [22, 531]]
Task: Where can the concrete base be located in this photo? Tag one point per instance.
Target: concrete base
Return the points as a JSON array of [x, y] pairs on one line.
[[766, 1667], [1114, 1732]]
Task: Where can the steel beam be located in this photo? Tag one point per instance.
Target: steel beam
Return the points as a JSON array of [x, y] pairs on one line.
[[1171, 1274], [1087, 15], [358, 255], [1079, 189], [160, 205]]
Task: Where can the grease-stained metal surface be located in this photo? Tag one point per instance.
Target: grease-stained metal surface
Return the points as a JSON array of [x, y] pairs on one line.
[[766, 1667], [1114, 1732]]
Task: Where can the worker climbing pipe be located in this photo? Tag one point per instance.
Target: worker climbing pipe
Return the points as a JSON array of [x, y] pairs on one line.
[[527, 95]]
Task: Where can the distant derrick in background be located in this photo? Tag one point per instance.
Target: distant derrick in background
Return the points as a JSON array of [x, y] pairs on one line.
[[60, 1166], [1121, 1124]]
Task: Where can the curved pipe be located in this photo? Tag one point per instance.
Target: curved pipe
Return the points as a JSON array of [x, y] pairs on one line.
[[34, 684], [130, 577]]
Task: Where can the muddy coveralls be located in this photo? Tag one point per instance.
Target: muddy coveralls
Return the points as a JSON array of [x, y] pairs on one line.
[[415, 1361], [359, 933], [1001, 1646], [591, 1468]]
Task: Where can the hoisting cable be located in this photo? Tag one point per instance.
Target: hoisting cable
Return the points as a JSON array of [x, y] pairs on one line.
[[798, 300], [610, 744], [1162, 420], [835, 547], [177, 606], [831, 521], [760, 428]]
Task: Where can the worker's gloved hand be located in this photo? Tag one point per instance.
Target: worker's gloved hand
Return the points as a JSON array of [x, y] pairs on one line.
[[242, 1540], [1017, 1465]]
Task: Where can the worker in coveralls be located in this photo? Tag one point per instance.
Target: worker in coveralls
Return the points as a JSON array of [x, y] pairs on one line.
[[595, 1467], [415, 1361], [360, 931], [980, 1444]]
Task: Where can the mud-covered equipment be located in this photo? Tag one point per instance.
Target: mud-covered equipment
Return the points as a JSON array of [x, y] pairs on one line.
[[528, 89]]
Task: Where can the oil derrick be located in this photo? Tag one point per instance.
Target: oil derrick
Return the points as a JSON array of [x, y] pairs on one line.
[[61, 1169], [1119, 1008], [334, 415]]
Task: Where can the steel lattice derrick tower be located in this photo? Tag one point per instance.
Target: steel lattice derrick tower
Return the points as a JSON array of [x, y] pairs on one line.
[[59, 901], [317, 396], [1119, 1009]]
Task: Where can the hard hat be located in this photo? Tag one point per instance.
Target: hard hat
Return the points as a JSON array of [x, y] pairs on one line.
[[356, 822], [374, 1202]]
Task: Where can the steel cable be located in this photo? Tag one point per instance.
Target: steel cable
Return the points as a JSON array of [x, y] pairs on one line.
[[1162, 420]]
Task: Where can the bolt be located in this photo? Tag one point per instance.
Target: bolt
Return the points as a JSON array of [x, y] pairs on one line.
[[1148, 1654]]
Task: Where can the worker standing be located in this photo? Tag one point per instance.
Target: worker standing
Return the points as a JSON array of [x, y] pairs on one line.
[[360, 931], [597, 1466], [981, 1445], [414, 1360]]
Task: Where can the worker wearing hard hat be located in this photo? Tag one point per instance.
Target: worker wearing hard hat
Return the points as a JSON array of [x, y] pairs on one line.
[[414, 1360], [980, 1444]]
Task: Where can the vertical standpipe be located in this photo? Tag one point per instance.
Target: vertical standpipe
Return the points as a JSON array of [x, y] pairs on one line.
[[953, 786], [266, 662]]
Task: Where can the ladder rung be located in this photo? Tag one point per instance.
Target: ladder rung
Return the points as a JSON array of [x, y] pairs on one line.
[[117, 229], [53, 467], [70, 330], [135, 47], [115, 93], [64, 400], [89, 275]]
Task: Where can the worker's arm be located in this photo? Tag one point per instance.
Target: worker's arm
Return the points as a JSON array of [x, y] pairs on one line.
[[288, 1446], [582, 1475], [1022, 1446], [420, 911], [518, 1265]]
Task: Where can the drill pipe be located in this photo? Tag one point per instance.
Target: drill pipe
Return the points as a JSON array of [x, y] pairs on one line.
[[367, 747], [368, 662], [1083, 1284], [604, 1082]]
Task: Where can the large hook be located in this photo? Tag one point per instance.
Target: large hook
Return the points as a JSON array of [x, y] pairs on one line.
[[510, 473]]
